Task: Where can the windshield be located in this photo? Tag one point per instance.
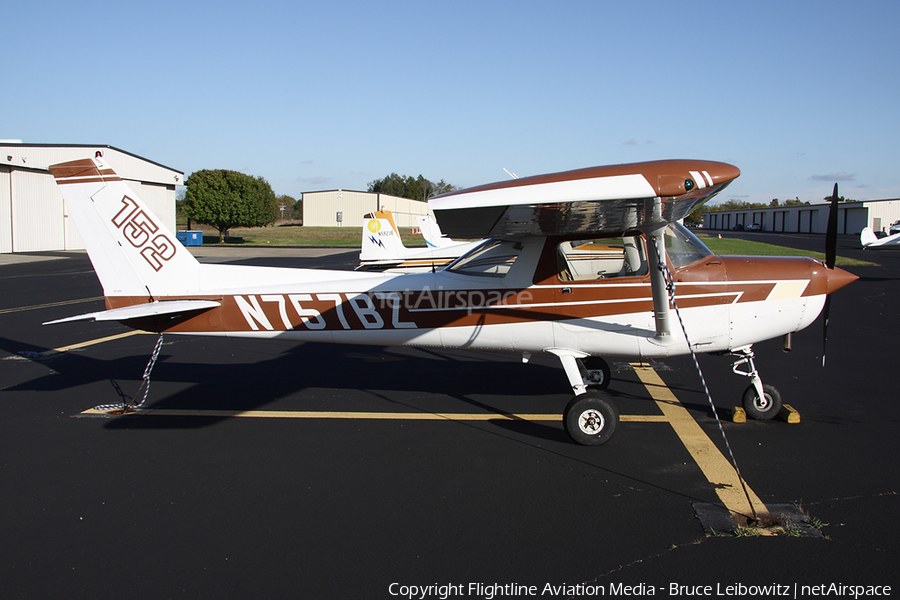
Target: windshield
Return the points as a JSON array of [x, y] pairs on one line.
[[683, 247]]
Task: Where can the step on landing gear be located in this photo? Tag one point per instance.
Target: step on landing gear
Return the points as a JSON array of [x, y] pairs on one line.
[[761, 402]]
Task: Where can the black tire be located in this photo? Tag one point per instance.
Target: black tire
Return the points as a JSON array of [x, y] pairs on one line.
[[600, 368], [590, 419], [763, 410]]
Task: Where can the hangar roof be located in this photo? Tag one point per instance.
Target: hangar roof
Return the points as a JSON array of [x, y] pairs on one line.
[[41, 156]]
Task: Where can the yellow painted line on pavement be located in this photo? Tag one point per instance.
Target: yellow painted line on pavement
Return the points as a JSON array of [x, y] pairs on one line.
[[715, 467], [386, 416], [720, 473], [102, 340], [49, 305], [317, 414]]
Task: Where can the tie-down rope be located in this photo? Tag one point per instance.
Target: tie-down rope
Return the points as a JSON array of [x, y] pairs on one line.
[[670, 287], [145, 385]]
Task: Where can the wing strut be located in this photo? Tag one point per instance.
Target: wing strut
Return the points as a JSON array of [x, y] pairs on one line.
[[659, 287]]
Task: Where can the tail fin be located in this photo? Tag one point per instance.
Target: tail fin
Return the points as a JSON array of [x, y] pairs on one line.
[[381, 238], [432, 233], [133, 253], [867, 237]]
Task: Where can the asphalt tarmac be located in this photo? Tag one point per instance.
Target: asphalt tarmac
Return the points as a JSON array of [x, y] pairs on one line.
[[219, 493]]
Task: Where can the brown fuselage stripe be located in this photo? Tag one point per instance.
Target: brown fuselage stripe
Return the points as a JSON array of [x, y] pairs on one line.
[[712, 281]]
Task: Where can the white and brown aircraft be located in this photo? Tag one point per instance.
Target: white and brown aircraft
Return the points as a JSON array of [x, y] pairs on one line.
[[529, 287]]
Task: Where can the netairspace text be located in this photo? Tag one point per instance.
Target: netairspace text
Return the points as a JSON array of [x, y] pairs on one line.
[[491, 591]]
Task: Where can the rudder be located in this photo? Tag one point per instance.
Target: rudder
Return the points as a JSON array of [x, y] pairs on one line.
[[867, 236], [381, 238], [133, 252]]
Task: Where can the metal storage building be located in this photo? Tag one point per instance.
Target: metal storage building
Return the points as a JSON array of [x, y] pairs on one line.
[[345, 208], [32, 212], [809, 218]]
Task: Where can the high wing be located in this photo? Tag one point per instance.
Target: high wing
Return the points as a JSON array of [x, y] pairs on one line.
[[597, 200]]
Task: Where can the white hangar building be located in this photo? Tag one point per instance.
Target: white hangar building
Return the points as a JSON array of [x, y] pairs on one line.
[[32, 212], [345, 208], [853, 217]]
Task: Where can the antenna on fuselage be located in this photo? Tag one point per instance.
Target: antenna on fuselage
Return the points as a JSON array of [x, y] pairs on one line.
[[513, 175]]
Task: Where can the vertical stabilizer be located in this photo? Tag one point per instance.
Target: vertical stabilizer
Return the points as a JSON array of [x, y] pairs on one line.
[[432, 233], [133, 253], [867, 236], [381, 238]]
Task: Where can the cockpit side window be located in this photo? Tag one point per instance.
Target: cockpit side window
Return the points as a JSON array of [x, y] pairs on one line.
[[494, 258], [683, 247], [602, 258]]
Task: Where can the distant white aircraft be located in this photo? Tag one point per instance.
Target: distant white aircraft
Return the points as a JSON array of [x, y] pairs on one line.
[[382, 249], [870, 241], [433, 235]]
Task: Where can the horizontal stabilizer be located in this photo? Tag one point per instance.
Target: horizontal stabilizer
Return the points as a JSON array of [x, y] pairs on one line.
[[150, 309]]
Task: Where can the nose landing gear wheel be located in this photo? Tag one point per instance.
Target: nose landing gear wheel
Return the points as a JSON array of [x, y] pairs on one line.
[[762, 408], [590, 419]]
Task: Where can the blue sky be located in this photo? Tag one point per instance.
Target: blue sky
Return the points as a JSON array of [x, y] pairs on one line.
[[335, 94]]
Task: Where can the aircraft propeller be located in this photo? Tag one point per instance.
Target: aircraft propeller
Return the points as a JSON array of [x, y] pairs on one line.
[[830, 258]]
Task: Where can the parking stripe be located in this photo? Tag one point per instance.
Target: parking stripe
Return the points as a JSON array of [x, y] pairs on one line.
[[80, 345], [716, 468], [49, 305], [361, 415]]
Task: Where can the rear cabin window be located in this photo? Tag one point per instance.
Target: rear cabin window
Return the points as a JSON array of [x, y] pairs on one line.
[[603, 258], [494, 258]]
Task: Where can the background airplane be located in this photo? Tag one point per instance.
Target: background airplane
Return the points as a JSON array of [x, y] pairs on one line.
[[434, 237], [520, 290], [382, 248], [870, 241]]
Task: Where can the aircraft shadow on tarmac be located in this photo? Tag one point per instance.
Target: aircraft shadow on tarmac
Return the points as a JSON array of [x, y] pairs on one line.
[[313, 377], [325, 377]]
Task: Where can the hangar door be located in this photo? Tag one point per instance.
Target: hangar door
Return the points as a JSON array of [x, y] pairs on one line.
[[35, 213], [5, 210]]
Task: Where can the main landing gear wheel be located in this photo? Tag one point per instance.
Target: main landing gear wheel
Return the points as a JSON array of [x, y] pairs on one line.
[[590, 419], [762, 408], [598, 373]]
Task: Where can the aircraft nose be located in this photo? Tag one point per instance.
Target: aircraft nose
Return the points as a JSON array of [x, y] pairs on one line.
[[837, 278]]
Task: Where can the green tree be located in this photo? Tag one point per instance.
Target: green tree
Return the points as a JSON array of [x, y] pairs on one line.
[[290, 204], [733, 204], [417, 188], [226, 199]]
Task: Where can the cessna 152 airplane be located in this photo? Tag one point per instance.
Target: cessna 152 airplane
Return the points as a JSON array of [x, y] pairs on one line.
[[382, 249], [523, 289]]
